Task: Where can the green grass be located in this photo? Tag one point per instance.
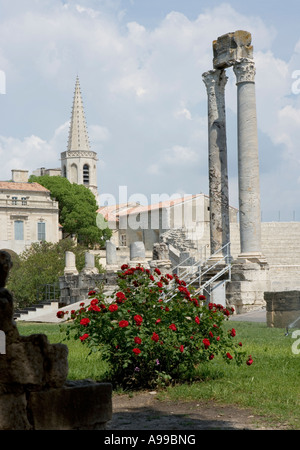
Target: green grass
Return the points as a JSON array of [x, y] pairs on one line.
[[270, 386]]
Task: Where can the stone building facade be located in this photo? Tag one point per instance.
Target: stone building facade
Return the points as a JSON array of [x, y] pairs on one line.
[[27, 213]]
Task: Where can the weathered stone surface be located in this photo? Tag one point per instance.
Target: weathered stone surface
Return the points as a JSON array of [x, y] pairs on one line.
[[248, 283], [70, 264], [215, 81], [34, 392], [160, 251], [230, 47], [137, 251], [283, 308], [76, 406], [13, 412], [111, 253]]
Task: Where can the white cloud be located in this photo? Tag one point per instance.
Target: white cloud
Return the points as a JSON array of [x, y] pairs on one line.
[[142, 90]]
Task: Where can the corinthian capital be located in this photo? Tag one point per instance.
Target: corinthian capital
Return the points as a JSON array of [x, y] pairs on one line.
[[244, 70], [215, 81]]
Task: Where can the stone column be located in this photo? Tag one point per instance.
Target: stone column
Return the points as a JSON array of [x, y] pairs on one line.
[[215, 81], [248, 163]]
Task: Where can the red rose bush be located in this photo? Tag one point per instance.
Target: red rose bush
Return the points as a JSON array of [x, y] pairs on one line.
[[154, 329]]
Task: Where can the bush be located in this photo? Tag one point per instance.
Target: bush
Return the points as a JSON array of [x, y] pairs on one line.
[[42, 263], [153, 331]]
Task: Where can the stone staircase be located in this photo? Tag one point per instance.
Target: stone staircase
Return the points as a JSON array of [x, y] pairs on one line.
[[178, 239], [31, 312]]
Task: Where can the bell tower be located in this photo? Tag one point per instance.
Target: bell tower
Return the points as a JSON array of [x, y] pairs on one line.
[[79, 162]]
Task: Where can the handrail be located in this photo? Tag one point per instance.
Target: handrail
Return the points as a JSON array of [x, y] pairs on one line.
[[225, 258], [192, 265]]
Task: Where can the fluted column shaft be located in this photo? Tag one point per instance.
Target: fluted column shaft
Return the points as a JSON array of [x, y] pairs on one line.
[[215, 81], [248, 161]]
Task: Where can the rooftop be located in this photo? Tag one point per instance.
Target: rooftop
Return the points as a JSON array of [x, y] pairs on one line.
[[14, 186]]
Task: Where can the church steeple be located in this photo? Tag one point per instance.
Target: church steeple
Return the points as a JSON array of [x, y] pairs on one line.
[[79, 163], [78, 135]]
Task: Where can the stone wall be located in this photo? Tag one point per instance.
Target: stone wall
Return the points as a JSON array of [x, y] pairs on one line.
[[34, 391], [283, 309]]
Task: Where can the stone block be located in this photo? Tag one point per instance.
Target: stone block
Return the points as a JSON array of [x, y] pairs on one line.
[[13, 412], [81, 405], [283, 308], [111, 253], [137, 251], [231, 47]]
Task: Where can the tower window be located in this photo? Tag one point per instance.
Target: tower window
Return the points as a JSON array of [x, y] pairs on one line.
[[86, 174], [64, 172]]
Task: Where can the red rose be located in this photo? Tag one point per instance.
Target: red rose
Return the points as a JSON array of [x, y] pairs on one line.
[[229, 355], [60, 314], [197, 320], [136, 351], [159, 284], [206, 343], [120, 297], [123, 323], [181, 348], [169, 276], [157, 271], [138, 320], [124, 267], [232, 332], [211, 357], [95, 301], [167, 309], [250, 361], [83, 337], [158, 320], [137, 340], [113, 308], [173, 327], [202, 297], [94, 308], [151, 277], [92, 293], [85, 321], [240, 344], [155, 337], [210, 333]]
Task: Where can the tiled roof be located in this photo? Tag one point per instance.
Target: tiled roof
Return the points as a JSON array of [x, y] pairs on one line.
[[113, 212], [13, 186]]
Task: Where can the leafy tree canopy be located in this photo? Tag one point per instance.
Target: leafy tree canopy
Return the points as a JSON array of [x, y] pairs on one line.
[[43, 263], [77, 209]]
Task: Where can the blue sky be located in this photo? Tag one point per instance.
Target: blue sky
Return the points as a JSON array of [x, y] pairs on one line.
[[140, 64]]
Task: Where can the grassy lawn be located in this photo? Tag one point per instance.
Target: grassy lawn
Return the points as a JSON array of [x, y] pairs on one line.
[[270, 386]]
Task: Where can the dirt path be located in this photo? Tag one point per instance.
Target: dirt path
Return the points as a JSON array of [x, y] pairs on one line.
[[143, 411]]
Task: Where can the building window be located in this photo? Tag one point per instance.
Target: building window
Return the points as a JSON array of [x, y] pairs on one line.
[[64, 172], [86, 174], [19, 230], [24, 200], [123, 240], [14, 200], [41, 231]]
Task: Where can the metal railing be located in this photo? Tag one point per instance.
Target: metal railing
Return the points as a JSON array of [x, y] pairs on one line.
[[199, 274]]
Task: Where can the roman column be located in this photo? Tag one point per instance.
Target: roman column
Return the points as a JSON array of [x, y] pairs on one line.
[[248, 162], [215, 81]]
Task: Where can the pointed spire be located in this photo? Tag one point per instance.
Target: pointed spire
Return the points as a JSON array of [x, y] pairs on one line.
[[78, 136]]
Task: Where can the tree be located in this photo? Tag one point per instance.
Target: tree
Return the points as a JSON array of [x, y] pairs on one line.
[[77, 209], [43, 263]]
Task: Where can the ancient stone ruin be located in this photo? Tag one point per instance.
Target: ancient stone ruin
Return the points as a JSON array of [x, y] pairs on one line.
[[250, 269], [35, 393]]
